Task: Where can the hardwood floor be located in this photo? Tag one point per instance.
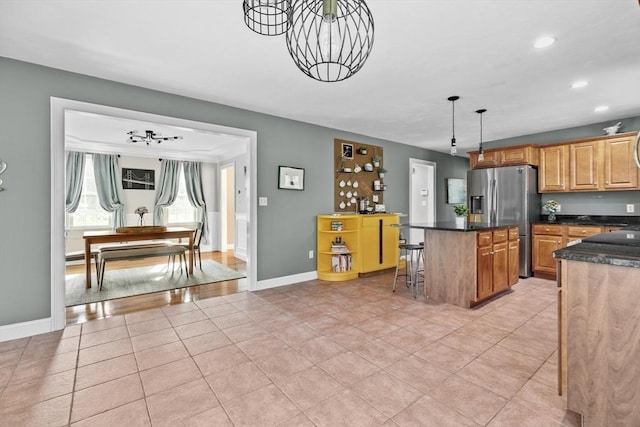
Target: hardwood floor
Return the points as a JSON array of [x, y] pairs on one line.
[[103, 309]]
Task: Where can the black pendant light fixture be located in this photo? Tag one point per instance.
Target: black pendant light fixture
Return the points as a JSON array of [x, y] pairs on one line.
[[267, 17], [453, 100], [330, 40], [480, 150]]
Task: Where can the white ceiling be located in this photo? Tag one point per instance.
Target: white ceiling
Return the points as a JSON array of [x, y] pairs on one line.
[[424, 51]]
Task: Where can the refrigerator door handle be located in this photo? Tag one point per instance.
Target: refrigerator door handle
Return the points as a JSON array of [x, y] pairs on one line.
[[494, 200]]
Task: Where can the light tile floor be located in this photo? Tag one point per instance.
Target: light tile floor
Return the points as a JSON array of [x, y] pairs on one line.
[[314, 353]]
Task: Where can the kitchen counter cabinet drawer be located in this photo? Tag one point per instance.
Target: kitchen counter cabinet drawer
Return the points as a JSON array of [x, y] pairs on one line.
[[500, 236], [549, 230], [578, 231], [513, 233], [485, 239]]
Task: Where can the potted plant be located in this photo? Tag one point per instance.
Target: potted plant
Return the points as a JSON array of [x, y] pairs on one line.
[[461, 211], [375, 159], [381, 172], [552, 207]]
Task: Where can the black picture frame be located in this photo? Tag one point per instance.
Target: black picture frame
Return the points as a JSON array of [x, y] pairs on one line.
[[347, 151], [138, 179], [290, 178]]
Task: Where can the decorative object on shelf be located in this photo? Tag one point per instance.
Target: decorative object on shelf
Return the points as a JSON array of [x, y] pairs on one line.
[[140, 212], [381, 172], [462, 212], [362, 150], [149, 136], [3, 167], [368, 167], [552, 207], [612, 130], [267, 17], [456, 191], [357, 168], [453, 100], [375, 159], [330, 40], [290, 178], [480, 150]]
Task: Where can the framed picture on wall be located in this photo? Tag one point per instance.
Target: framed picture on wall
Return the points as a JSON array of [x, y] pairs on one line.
[[347, 151], [456, 191], [138, 179], [290, 178]]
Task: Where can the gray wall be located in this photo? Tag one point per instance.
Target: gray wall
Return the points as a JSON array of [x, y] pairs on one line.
[[288, 223], [588, 203]]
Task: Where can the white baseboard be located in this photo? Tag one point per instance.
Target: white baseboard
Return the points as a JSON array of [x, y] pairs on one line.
[[25, 329], [286, 280]]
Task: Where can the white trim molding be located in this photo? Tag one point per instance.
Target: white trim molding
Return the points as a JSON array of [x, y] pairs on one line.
[[26, 329], [286, 280]]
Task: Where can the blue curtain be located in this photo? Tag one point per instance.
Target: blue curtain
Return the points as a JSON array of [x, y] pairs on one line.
[[74, 178], [167, 189], [106, 171], [193, 182]]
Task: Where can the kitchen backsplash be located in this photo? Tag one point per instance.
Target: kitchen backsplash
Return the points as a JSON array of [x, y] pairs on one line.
[[600, 203]]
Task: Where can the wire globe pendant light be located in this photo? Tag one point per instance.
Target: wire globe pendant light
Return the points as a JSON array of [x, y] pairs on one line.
[[330, 40], [267, 17]]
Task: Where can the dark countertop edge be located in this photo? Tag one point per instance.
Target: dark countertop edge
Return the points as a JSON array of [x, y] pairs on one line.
[[601, 253], [593, 220], [451, 226]]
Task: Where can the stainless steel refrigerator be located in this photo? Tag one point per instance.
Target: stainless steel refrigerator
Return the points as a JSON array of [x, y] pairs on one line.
[[507, 195]]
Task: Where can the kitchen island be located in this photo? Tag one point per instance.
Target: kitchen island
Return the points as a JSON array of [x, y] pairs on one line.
[[599, 328], [468, 264]]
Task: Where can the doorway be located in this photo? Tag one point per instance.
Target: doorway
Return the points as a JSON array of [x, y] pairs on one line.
[[422, 196], [57, 260], [227, 207]]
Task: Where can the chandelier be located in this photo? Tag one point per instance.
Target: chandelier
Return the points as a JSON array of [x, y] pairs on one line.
[[328, 40], [149, 136]]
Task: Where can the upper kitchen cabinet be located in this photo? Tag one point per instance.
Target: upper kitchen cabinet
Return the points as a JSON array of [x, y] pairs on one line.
[[506, 156], [620, 171], [595, 164], [584, 163], [553, 170]]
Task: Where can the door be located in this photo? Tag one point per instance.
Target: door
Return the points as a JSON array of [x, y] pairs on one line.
[[511, 196], [228, 207], [553, 168], [619, 167], [500, 266], [583, 158], [422, 196]]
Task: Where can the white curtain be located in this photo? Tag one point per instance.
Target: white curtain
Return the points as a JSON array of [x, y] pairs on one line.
[[106, 172], [167, 189], [193, 183], [74, 177]]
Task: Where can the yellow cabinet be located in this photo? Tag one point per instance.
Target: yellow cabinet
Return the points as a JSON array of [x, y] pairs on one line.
[[338, 247], [352, 244], [379, 242]]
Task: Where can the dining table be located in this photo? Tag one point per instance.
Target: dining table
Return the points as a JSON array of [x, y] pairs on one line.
[[95, 237]]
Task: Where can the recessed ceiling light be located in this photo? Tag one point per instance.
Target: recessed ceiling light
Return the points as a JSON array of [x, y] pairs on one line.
[[544, 41], [601, 108], [579, 84]]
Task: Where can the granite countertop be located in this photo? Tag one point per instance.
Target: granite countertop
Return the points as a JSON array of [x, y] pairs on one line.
[[620, 248], [597, 220], [452, 226]]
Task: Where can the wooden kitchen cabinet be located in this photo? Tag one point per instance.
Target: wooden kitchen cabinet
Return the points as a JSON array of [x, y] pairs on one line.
[[620, 171], [507, 156], [553, 170], [548, 238], [584, 166], [514, 256], [496, 261]]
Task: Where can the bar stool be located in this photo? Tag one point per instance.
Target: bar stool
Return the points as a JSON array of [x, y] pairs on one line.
[[413, 254]]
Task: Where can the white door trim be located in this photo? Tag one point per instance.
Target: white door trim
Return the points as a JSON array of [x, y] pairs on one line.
[[412, 163], [58, 107]]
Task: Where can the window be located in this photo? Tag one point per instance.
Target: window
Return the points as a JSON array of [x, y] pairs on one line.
[[181, 210], [89, 213]]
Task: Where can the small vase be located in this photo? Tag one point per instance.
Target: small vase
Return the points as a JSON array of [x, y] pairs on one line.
[[552, 216], [461, 221], [141, 223]]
